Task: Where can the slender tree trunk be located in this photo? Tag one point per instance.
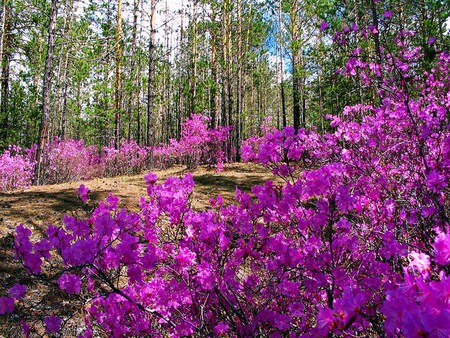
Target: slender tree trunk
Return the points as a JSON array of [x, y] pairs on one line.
[[118, 81], [214, 71], [133, 76], [65, 80], [295, 64], [224, 81], [5, 59], [283, 97], [47, 88], [104, 119], [193, 104], [376, 36], [239, 82], [303, 90], [230, 75], [180, 101], [151, 75]]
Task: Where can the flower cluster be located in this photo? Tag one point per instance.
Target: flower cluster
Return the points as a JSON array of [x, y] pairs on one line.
[[198, 144], [355, 243], [131, 158], [72, 160], [16, 169]]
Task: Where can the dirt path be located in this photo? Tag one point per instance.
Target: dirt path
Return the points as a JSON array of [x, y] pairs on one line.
[[37, 207], [40, 206]]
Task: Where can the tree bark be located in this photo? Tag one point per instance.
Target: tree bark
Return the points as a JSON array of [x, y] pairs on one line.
[[283, 96], [295, 64], [47, 88], [133, 74], [65, 80], [5, 59], [151, 75], [118, 82], [214, 70], [239, 82]]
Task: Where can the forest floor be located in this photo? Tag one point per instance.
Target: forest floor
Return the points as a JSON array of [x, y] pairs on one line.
[[37, 207]]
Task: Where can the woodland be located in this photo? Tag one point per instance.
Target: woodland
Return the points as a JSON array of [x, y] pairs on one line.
[[247, 168]]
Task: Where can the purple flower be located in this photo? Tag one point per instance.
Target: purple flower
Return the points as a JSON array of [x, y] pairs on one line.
[[112, 201], [281, 321], [388, 14], [419, 262], [18, 291], [83, 191], [70, 283], [436, 181], [431, 40], [221, 328], [324, 25], [53, 324], [25, 328], [6, 305], [150, 178]]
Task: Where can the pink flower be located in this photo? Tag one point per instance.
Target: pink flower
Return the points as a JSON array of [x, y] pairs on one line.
[[436, 181], [419, 262], [442, 249], [281, 321]]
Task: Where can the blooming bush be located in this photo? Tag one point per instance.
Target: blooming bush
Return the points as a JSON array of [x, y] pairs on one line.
[[16, 169], [70, 160], [198, 145], [131, 158], [355, 243]]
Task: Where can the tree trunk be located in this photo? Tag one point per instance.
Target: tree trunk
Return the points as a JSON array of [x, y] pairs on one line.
[[283, 97], [133, 74], [47, 88], [239, 82], [151, 75], [193, 81], [5, 59], [230, 75], [376, 36], [225, 87], [214, 97], [295, 65], [118, 82], [65, 80]]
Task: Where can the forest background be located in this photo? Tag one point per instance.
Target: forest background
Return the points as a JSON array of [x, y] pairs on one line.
[[103, 71]]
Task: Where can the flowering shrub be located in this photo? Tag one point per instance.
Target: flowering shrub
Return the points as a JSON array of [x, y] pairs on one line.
[[131, 158], [198, 145], [70, 160], [355, 243], [16, 169]]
